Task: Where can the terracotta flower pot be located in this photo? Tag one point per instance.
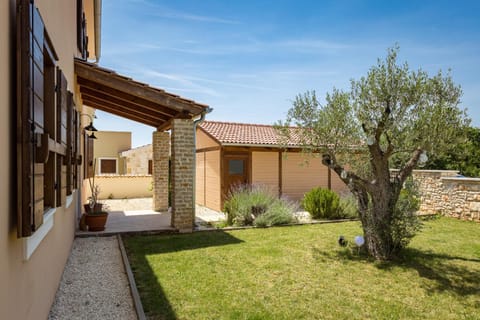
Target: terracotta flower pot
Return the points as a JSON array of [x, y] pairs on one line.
[[96, 208], [96, 221]]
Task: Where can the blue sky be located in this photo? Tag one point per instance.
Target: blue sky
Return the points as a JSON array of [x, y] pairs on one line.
[[249, 59]]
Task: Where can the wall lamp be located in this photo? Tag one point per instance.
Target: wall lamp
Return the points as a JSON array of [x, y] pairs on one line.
[[90, 126]]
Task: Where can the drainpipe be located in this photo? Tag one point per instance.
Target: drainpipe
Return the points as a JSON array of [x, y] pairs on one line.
[[98, 27], [195, 124]]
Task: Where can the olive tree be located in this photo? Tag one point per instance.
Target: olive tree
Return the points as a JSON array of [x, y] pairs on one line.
[[391, 118]]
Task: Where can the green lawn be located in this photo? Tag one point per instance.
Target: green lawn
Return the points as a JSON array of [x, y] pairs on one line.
[[301, 273]]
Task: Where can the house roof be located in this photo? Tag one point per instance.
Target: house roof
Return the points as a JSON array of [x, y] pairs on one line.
[[106, 90], [244, 134]]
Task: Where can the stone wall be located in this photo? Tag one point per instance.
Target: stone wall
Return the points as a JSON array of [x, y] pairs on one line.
[[137, 159], [161, 151], [183, 149], [444, 192]]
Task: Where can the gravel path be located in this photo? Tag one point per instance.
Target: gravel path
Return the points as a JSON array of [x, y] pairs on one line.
[[94, 284]]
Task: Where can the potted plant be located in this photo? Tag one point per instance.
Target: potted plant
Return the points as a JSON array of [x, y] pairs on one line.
[[95, 215]]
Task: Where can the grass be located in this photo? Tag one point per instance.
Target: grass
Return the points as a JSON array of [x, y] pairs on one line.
[[300, 272]]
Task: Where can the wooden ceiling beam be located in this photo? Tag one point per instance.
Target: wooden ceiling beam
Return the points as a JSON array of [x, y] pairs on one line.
[[97, 75], [122, 111], [111, 92], [138, 108], [126, 116]]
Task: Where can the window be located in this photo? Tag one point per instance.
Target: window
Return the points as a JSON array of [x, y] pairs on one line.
[[108, 166], [42, 123], [235, 167], [82, 40], [150, 167]]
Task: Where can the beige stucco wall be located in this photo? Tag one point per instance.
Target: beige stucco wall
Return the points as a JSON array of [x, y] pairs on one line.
[[301, 173], [136, 160], [123, 186], [88, 6], [62, 31], [265, 169], [109, 145], [28, 286], [204, 141]]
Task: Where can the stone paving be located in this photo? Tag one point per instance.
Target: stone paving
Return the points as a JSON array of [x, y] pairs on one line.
[[136, 215]]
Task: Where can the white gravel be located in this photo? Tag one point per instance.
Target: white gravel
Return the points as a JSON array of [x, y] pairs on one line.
[[94, 283]]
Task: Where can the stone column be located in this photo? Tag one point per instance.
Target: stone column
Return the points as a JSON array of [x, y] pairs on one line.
[[183, 211], [160, 157]]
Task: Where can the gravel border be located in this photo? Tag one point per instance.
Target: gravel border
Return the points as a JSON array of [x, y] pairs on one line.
[[94, 284], [131, 279]]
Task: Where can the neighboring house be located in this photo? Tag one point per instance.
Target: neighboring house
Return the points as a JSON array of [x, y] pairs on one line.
[[107, 149], [234, 153], [138, 161], [48, 91]]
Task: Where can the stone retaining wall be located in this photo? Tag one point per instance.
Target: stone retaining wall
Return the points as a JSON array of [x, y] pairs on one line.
[[444, 192]]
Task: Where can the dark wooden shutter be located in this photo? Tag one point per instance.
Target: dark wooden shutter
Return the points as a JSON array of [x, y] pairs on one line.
[[76, 150], [108, 166], [62, 106], [81, 30], [70, 133], [30, 117]]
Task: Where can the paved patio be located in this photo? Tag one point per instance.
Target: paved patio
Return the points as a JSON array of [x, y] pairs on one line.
[[136, 216]]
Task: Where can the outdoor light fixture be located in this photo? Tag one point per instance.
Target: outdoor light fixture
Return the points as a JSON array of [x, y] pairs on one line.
[[90, 126], [92, 136]]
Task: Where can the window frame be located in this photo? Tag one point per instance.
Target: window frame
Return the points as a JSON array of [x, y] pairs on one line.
[[100, 165]]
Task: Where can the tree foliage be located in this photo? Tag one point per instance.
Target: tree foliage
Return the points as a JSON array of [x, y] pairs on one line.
[[464, 157], [391, 118]]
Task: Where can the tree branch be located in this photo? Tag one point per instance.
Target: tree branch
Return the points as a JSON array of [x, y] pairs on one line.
[[330, 161], [408, 168]]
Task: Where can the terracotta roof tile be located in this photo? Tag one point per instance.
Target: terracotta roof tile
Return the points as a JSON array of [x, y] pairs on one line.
[[246, 134]]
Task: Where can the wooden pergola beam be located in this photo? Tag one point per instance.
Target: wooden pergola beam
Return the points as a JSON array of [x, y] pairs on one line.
[[112, 80], [88, 93], [114, 110], [126, 97]]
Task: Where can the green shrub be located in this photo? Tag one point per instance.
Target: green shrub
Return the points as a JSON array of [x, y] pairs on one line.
[[348, 207], [279, 212], [256, 205], [405, 221], [322, 203]]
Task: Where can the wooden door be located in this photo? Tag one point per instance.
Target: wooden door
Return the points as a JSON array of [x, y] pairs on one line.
[[236, 170]]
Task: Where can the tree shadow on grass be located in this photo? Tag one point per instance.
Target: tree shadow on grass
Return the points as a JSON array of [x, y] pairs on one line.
[[445, 272], [455, 274], [154, 299]]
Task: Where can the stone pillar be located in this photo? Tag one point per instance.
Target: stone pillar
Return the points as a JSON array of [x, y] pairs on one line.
[[183, 211], [160, 157]]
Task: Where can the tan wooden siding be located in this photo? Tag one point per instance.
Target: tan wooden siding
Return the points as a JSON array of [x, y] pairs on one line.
[[200, 179], [265, 169], [299, 177], [204, 141], [338, 185], [212, 183]]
